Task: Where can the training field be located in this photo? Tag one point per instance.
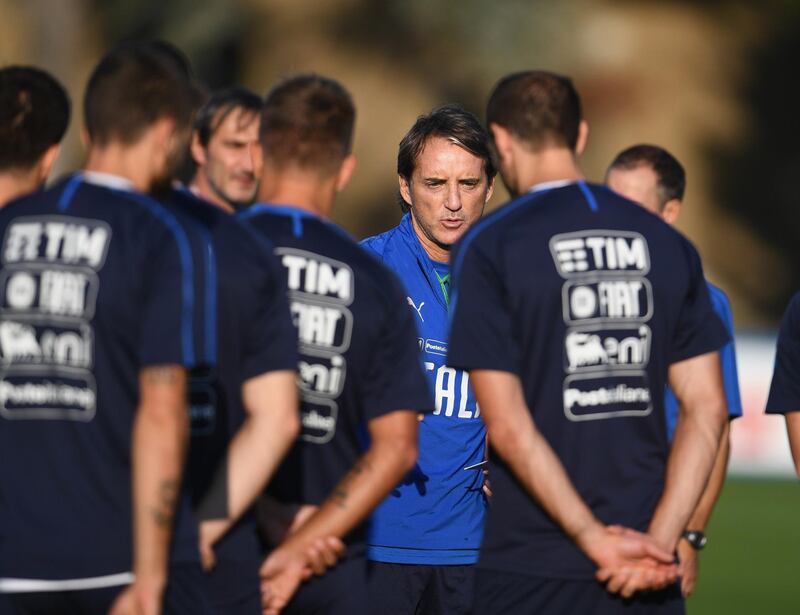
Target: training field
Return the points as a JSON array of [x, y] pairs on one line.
[[752, 563]]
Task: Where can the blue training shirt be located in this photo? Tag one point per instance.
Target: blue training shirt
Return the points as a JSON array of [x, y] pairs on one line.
[[727, 356], [97, 282], [436, 515], [587, 298]]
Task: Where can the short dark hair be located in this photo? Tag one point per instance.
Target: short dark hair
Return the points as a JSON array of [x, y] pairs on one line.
[[308, 121], [220, 105], [34, 115], [135, 85], [670, 173], [450, 122], [541, 108]]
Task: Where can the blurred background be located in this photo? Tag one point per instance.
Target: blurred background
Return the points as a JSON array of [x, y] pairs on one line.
[[713, 81]]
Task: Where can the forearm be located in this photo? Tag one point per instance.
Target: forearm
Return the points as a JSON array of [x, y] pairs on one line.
[[514, 436], [701, 515], [793, 430], [160, 436], [367, 483], [694, 450]]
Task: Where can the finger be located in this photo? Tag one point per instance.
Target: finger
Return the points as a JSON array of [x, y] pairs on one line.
[[603, 575], [635, 582], [618, 580], [329, 557], [657, 552], [336, 545], [314, 559]]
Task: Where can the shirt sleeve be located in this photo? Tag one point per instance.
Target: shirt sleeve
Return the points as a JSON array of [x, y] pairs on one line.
[[271, 341], [784, 392], [396, 379], [481, 326], [727, 354], [699, 329], [168, 311]]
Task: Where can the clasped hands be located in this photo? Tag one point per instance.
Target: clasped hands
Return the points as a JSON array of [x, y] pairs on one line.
[[628, 561]]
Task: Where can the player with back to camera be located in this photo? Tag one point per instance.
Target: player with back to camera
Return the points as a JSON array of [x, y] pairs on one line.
[[360, 374], [98, 333], [34, 115], [572, 308]]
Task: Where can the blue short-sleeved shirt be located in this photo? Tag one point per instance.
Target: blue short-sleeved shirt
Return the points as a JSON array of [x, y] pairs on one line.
[[244, 331], [97, 282], [784, 392], [436, 515], [727, 356], [359, 357], [588, 299]]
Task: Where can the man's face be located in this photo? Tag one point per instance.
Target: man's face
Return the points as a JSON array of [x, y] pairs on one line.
[[639, 184], [447, 192], [228, 161]]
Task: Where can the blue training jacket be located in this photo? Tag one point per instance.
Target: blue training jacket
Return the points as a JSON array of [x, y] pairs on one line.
[[435, 516], [727, 355]]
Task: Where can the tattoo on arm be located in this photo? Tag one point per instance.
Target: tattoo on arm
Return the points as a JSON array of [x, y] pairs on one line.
[[341, 493], [167, 499]]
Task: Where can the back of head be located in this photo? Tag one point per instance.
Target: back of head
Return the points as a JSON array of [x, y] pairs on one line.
[[34, 114], [450, 122], [220, 105], [669, 172], [134, 86], [307, 122], [539, 108]]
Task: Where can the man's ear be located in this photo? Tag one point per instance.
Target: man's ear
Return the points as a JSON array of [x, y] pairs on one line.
[[489, 191], [671, 211], [405, 189], [47, 161], [583, 137], [502, 142], [346, 170], [197, 150], [86, 141]]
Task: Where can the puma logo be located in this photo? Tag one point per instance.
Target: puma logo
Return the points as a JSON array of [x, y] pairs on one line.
[[418, 310]]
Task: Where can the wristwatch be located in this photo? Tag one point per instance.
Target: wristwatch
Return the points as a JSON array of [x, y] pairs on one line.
[[696, 538]]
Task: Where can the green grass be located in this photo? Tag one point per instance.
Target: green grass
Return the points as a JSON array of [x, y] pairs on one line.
[[752, 563]]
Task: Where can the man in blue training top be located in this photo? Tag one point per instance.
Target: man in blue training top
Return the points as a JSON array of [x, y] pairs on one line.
[[425, 536], [571, 308], [651, 176]]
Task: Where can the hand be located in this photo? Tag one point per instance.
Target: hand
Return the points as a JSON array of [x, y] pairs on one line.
[[209, 533], [689, 567], [141, 598], [281, 574], [487, 486], [628, 561]]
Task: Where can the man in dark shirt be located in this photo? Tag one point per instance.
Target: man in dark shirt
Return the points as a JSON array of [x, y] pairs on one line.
[[784, 392], [572, 307], [360, 374], [96, 333], [34, 114]]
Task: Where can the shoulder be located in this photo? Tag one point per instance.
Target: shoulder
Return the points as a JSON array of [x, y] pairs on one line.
[[379, 244]]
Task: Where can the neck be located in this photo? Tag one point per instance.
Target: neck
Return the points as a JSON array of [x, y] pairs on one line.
[[131, 162], [202, 187], [14, 184], [547, 165], [434, 251], [299, 188]]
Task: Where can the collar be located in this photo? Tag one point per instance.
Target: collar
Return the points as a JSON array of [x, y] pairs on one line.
[[556, 183], [107, 180]]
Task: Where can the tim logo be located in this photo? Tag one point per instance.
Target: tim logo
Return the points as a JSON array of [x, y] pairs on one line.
[[600, 250]]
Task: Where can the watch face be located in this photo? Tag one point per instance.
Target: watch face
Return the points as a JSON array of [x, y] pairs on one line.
[[696, 538]]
